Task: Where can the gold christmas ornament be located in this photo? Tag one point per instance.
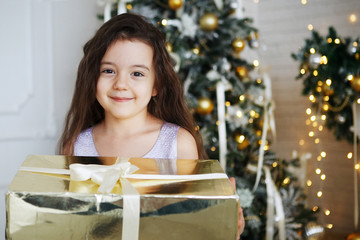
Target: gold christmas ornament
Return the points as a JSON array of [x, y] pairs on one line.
[[243, 145], [175, 4], [238, 45], [355, 83], [327, 90], [169, 47], [209, 22], [241, 140], [353, 236], [205, 106], [242, 71]]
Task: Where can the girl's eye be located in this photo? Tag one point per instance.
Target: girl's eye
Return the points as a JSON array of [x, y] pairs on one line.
[[108, 71], [137, 74]]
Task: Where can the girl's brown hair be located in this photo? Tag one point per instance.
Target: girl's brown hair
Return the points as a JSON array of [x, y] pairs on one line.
[[168, 105]]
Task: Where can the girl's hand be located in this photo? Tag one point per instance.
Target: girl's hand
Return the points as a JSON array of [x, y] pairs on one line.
[[241, 223]]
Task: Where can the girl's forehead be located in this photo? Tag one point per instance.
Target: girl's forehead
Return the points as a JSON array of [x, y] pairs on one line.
[[129, 49]]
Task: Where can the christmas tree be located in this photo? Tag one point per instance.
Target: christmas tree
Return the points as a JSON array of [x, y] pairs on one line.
[[330, 70], [232, 106]]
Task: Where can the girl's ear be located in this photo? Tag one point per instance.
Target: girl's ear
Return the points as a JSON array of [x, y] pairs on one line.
[[154, 92]]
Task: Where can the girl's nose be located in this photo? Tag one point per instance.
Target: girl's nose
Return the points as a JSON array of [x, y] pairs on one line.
[[121, 82]]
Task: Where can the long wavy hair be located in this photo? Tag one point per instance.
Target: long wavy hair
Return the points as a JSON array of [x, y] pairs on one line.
[[169, 104]]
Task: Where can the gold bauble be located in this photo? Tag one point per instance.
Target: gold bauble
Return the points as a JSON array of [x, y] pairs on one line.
[[244, 144], [327, 90], [238, 44], [353, 236], [241, 140], [209, 22], [175, 4], [169, 47], [355, 83], [242, 71], [205, 106]]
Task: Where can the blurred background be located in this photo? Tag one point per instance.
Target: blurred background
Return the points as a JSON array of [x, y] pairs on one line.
[[41, 45]]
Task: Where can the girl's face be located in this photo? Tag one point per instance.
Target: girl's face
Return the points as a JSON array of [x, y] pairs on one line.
[[126, 82]]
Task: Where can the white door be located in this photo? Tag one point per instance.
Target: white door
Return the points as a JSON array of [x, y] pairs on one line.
[[40, 47]]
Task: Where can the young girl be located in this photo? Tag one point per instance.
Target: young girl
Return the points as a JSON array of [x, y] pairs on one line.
[[128, 100]]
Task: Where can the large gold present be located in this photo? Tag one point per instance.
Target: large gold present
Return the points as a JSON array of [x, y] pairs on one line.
[[44, 202]]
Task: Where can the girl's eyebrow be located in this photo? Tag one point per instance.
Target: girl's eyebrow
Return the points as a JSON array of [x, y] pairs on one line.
[[135, 65], [142, 66]]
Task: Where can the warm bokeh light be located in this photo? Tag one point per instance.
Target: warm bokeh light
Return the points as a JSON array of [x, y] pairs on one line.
[[318, 171], [349, 155], [303, 2], [308, 183], [312, 50], [311, 134], [319, 194], [327, 212], [329, 226], [308, 111], [323, 177], [310, 27], [352, 18], [301, 142], [312, 98], [164, 22], [286, 181]]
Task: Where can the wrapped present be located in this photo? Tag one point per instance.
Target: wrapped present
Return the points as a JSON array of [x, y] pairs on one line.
[[62, 197]]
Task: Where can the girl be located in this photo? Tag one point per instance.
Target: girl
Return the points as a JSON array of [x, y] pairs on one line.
[[128, 100]]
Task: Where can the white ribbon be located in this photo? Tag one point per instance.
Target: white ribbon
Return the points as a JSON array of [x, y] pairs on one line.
[[121, 7], [262, 150], [108, 175], [221, 87], [268, 116], [356, 197], [220, 95], [274, 205], [107, 8], [239, 13]]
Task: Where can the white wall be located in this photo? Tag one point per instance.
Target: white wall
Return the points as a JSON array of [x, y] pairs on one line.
[[40, 48]]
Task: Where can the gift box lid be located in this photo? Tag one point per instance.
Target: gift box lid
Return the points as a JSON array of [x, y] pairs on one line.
[[27, 181]]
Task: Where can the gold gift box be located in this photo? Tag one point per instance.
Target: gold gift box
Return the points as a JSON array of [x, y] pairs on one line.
[[51, 206]]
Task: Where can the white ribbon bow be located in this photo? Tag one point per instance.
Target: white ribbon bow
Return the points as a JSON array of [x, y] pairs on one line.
[[105, 176]]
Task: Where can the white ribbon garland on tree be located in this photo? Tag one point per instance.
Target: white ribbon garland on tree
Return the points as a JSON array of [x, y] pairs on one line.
[[121, 7], [356, 197]]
